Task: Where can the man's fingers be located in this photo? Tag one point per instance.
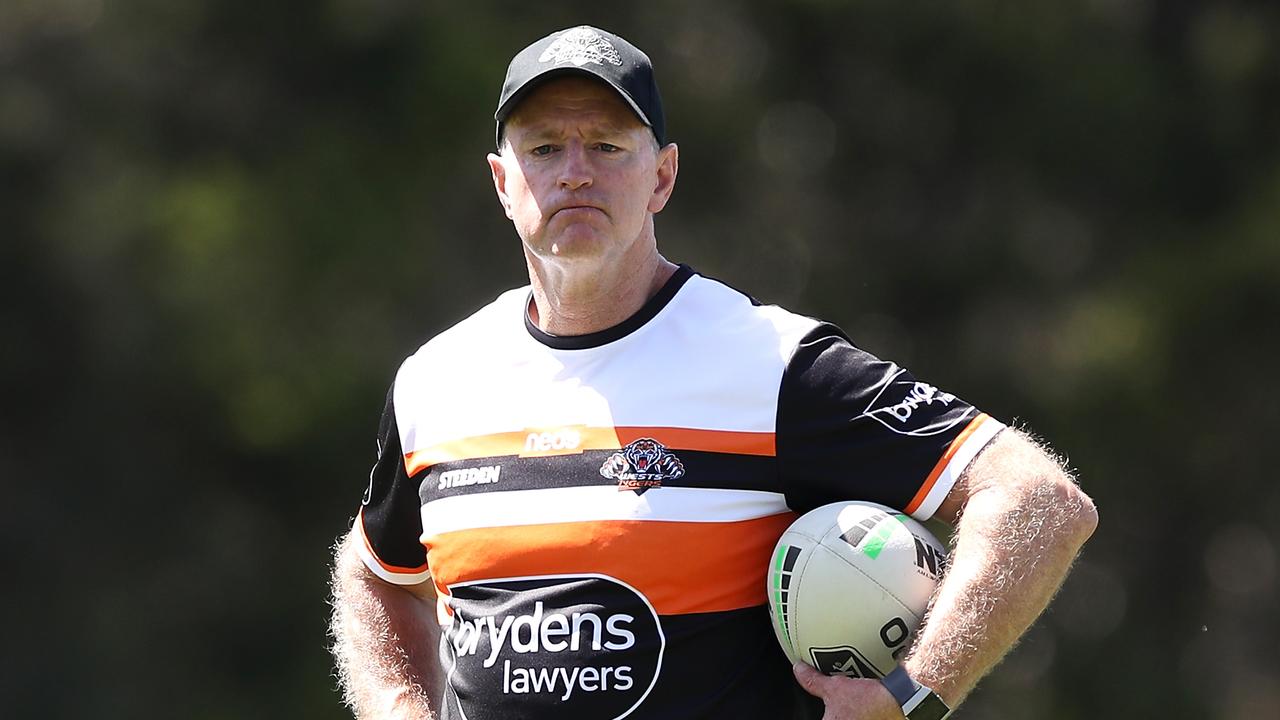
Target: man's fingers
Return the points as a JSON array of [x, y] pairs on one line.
[[845, 697], [813, 682]]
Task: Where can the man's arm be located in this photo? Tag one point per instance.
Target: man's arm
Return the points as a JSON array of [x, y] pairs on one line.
[[384, 641], [1020, 520]]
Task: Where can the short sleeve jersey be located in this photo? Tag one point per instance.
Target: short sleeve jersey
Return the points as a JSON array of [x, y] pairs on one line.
[[598, 512]]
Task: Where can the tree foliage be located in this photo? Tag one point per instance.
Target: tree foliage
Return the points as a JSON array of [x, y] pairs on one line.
[[226, 222]]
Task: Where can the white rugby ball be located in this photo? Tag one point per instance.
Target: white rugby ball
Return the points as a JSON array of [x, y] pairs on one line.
[[848, 586]]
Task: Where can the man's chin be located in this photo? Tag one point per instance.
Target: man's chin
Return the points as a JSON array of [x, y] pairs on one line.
[[578, 245]]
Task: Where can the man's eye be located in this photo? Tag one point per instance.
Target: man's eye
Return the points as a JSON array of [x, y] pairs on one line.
[[606, 147], [542, 150]]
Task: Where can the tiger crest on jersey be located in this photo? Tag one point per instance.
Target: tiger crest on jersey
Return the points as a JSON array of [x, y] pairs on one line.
[[641, 465]]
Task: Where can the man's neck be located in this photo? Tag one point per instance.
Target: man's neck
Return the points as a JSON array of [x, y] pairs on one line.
[[570, 302]]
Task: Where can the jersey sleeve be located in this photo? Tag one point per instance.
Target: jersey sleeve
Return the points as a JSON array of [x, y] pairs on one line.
[[854, 427], [390, 519]]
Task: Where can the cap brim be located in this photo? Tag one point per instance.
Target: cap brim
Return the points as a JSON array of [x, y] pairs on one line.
[[504, 110]]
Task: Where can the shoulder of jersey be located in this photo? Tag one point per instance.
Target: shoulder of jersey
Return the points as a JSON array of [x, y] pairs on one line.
[[728, 309], [487, 326]]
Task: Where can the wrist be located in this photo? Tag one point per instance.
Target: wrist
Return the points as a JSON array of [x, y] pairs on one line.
[[917, 701]]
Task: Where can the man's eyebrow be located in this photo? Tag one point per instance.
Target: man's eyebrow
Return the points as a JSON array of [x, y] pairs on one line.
[[539, 134], [534, 133]]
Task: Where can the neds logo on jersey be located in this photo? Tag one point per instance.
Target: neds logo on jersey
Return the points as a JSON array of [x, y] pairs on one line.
[[586, 645]]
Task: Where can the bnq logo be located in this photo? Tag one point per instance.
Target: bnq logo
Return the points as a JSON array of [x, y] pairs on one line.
[[908, 407], [581, 645]]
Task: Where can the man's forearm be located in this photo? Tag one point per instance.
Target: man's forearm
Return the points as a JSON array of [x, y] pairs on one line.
[[1014, 544], [384, 642]]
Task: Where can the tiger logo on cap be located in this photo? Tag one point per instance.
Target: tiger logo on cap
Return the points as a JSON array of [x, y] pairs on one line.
[[580, 45]]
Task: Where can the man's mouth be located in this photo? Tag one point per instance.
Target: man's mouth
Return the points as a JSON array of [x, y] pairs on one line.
[[571, 210]]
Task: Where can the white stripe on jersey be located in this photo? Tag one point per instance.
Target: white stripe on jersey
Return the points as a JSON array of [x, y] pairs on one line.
[[603, 502], [959, 461], [709, 359]]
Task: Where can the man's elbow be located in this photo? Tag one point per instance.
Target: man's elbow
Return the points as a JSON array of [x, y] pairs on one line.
[[1019, 476], [1076, 515], [1085, 515]]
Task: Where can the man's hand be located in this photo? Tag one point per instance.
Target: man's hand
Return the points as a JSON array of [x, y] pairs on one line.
[[848, 698]]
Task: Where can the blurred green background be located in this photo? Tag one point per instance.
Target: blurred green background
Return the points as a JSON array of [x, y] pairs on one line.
[[224, 224]]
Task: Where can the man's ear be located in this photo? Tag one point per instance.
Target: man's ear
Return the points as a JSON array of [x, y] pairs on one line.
[[668, 168], [499, 170]]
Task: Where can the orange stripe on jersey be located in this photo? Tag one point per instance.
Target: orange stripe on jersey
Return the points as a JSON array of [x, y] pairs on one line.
[[465, 449], [955, 445], [681, 567], [736, 442], [571, 440], [395, 569]]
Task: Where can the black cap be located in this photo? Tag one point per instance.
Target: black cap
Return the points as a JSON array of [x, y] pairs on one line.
[[589, 51]]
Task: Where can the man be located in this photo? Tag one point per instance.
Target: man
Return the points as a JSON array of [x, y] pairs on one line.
[[586, 477]]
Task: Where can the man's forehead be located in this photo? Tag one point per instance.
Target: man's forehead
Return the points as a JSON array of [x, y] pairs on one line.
[[574, 91], [565, 97]]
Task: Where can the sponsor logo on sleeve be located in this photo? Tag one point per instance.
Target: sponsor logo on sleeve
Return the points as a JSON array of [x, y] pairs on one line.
[[642, 465], [575, 646], [908, 407]]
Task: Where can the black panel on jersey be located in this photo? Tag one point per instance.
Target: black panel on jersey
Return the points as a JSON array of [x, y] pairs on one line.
[[716, 665], [622, 329], [834, 435], [701, 470], [761, 684], [392, 511]]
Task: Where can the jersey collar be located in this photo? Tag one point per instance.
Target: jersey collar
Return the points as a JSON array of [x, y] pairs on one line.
[[617, 332]]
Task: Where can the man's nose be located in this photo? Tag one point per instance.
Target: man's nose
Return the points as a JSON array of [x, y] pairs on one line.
[[575, 171]]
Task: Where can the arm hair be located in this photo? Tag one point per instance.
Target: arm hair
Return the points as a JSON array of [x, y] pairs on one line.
[[1021, 521], [384, 639]]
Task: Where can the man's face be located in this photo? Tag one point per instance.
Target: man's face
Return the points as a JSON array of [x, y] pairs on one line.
[[579, 174]]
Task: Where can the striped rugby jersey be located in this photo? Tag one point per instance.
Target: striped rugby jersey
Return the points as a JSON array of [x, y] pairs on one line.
[[597, 512]]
